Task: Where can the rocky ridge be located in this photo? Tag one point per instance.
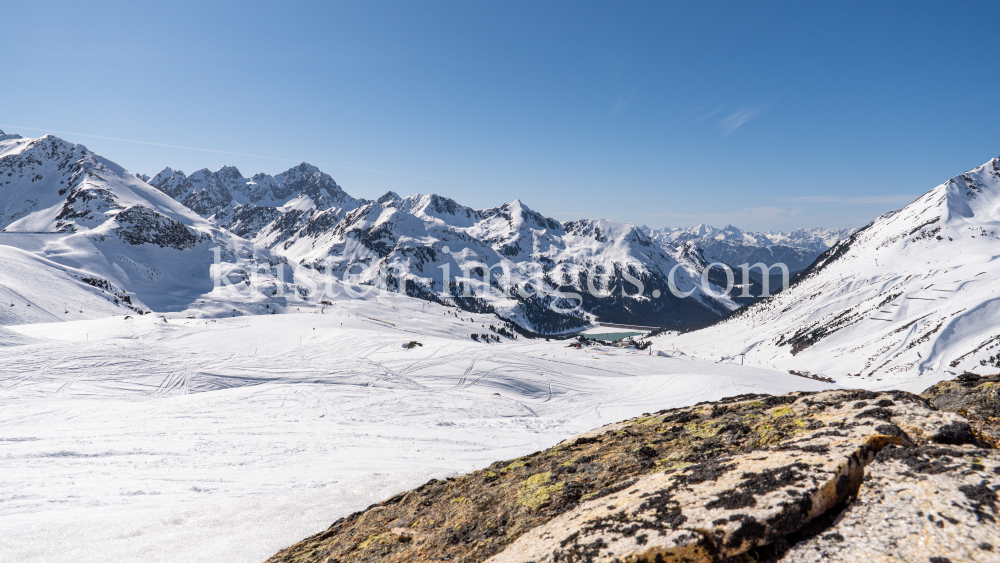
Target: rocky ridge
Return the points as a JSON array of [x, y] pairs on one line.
[[799, 477]]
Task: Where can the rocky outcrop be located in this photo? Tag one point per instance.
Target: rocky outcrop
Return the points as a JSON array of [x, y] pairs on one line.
[[731, 504], [140, 225], [975, 397], [931, 503], [751, 478]]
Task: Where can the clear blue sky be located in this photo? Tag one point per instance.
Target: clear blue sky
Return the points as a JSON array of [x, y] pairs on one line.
[[760, 114]]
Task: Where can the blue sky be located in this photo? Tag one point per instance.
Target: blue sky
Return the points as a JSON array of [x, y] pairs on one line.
[[763, 115]]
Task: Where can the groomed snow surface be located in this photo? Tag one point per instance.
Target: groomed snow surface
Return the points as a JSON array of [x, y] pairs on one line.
[[224, 440]]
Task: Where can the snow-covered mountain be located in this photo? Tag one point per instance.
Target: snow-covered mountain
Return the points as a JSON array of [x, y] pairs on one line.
[[207, 192], [154, 241], [911, 294], [89, 222], [304, 216], [733, 246], [104, 240]]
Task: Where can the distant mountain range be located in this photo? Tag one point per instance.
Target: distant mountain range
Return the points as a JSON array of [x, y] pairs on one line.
[[304, 215], [733, 246], [154, 239]]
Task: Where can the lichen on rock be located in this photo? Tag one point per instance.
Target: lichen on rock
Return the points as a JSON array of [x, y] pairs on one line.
[[726, 506], [931, 503], [709, 482]]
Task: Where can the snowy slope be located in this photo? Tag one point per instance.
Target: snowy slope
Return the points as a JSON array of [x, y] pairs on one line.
[[225, 440], [910, 298], [36, 290], [86, 218]]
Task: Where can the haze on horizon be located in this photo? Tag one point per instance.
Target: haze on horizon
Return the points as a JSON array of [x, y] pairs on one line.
[[773, 117]]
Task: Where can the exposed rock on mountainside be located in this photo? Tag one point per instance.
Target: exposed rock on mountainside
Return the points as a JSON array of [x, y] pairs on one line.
[[139, 225], [748, 478]]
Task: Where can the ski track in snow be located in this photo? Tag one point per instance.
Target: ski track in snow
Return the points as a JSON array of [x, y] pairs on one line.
[[225, 440]]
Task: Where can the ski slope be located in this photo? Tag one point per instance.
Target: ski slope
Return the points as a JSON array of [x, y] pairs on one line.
[[34, 289], [183, 440]]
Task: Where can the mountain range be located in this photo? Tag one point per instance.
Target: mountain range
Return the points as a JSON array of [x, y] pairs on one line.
[[733, 246], [306, 216], [303, 215], [160, 240]]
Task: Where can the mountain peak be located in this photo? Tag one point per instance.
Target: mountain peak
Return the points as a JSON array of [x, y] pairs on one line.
[[229, 171], [304, 168], [388, 197], [518, 207]]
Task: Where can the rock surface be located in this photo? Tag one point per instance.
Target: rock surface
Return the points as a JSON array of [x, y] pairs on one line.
[[744, 478], [932, 503], [725, 507], [975, 397]]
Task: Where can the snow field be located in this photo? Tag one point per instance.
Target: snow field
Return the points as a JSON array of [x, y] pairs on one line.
[[227, 439]]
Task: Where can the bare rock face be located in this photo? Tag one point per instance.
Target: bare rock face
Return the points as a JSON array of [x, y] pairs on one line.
[[725, 507], [704, 483], [974, 396], [139, 225], [932, 503]]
